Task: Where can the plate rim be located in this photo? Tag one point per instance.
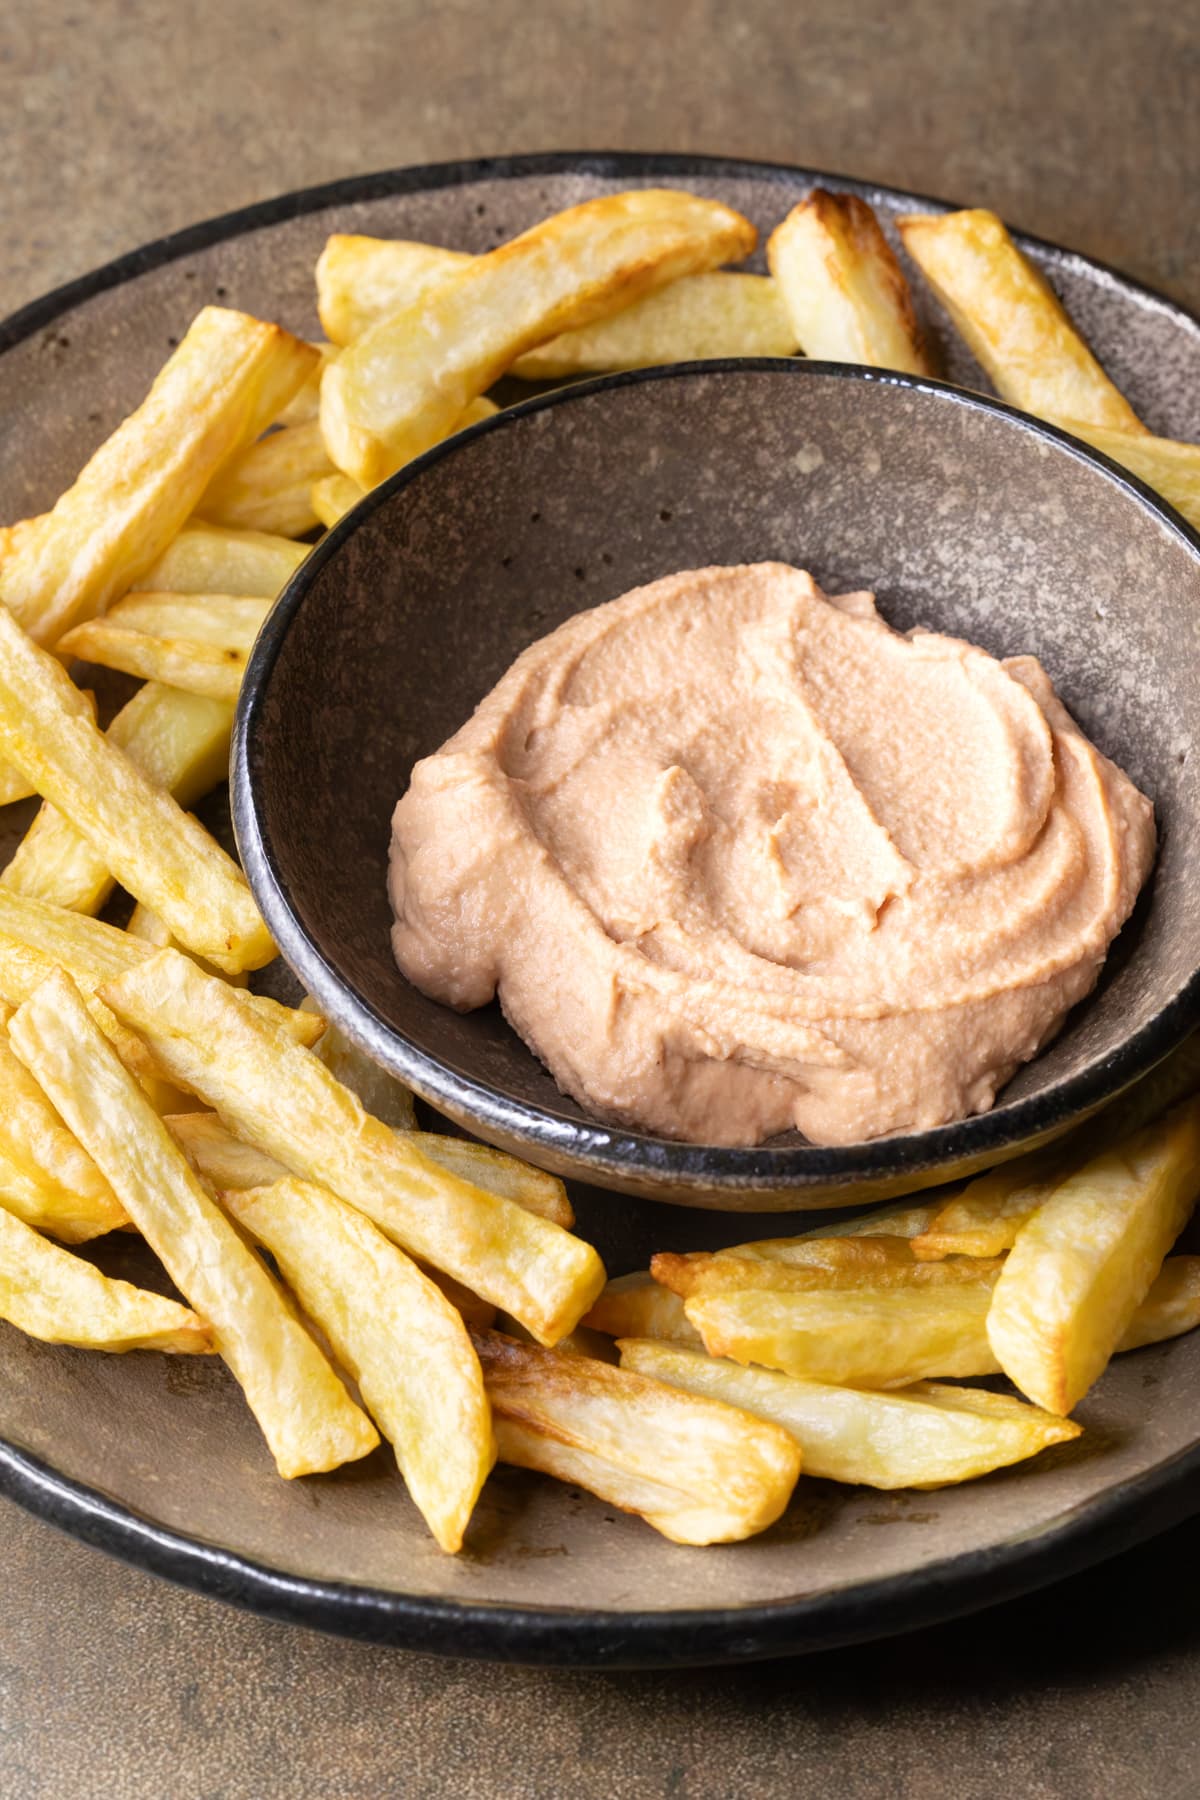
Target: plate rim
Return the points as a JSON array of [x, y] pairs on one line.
[[1093, 1529]]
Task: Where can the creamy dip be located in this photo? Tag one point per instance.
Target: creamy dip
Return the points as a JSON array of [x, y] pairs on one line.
[[737, 857]]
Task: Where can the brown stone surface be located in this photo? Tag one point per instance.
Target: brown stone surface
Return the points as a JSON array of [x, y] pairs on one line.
[[132, 117]]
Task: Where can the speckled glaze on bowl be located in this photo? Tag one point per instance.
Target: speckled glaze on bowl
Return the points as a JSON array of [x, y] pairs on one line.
[[156, 1459], [963, 516]]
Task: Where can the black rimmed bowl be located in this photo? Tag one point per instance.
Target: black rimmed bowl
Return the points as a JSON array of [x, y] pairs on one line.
[[960, 513]]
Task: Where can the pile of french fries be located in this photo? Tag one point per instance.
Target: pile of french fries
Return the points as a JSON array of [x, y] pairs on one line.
[[360, 1276]]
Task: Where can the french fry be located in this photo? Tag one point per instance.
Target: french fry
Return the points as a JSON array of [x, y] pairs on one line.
[[72, 1199], [155, 849], [361, 280], [200, 644], [213, 559], [637, 1306], [269, 486], [35, 939], [1171, 468], [305, 403], [396, 1334], [48, 1293], [229, 1166], [985, 1217], [697, 1470], [874, 1263], [1013, 322], [845, 293], [20, 535], [381, 1094], [400, 386], [226, 1162], [1171, 1308], [285, 1101], [228, 379], [928, 1436], [903, 1218], [852, 1337], [333, 496], [1083, 1264], [306, 1415], [180, 741]]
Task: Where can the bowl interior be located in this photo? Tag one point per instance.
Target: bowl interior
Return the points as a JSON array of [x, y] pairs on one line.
[[959, 515]]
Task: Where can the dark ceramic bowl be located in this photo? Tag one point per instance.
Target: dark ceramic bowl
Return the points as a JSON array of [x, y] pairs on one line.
[[962, 514]]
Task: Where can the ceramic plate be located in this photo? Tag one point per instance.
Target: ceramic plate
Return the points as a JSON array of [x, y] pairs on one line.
[[158, 1460]]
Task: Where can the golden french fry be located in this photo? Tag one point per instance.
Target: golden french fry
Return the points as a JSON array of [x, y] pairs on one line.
[[35, 939], [401, 385], [697, 1470], [226, 1162], [879, 1337], [926, 1436], [305, 403], [904, 1218], [48, 1293], [285, 1101], [227, 380], [983, 1219], [396, 1334], [200, 645], [212, 559], [333, 496], [361, 280], [381, 1094], [1170, 1308], [159, 852], [307, 1417], [1171, 468], [1083, 1264], [844, 291], [879, 1263], [180, 741], [637, 1306], [71, 1198], [20, 535], [1013, 322], [147, 926], [268, 487]]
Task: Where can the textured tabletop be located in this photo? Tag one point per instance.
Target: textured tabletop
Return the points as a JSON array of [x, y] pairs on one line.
[[122, 120]]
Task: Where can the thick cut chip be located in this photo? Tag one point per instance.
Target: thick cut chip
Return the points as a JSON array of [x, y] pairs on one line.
[[214, 559], [180, 741], [396, 1334], [269, 486], [1083, 1264], [35, 939], [845, 293], [228, 1163], [983, 1219], [159, 852], [228, 379], [334, 496], [927, 1436], [400, 386], [637, 1306], [285, 1101], [199, 643], [381, 1094], [361, 280], [1171, 468], [305, 403], [853, 1337], [47, 1293], [904, 1218], [1013, 322], [1170, 1308], [697, 1470], [306, 1415], [881, 1263], [73, 1199]]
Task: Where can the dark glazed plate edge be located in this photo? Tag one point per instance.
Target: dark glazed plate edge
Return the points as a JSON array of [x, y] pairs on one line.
[[539, 1637], [608, 1152]]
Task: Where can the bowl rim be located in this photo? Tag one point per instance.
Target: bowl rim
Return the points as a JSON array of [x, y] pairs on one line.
[[602, 1152]]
